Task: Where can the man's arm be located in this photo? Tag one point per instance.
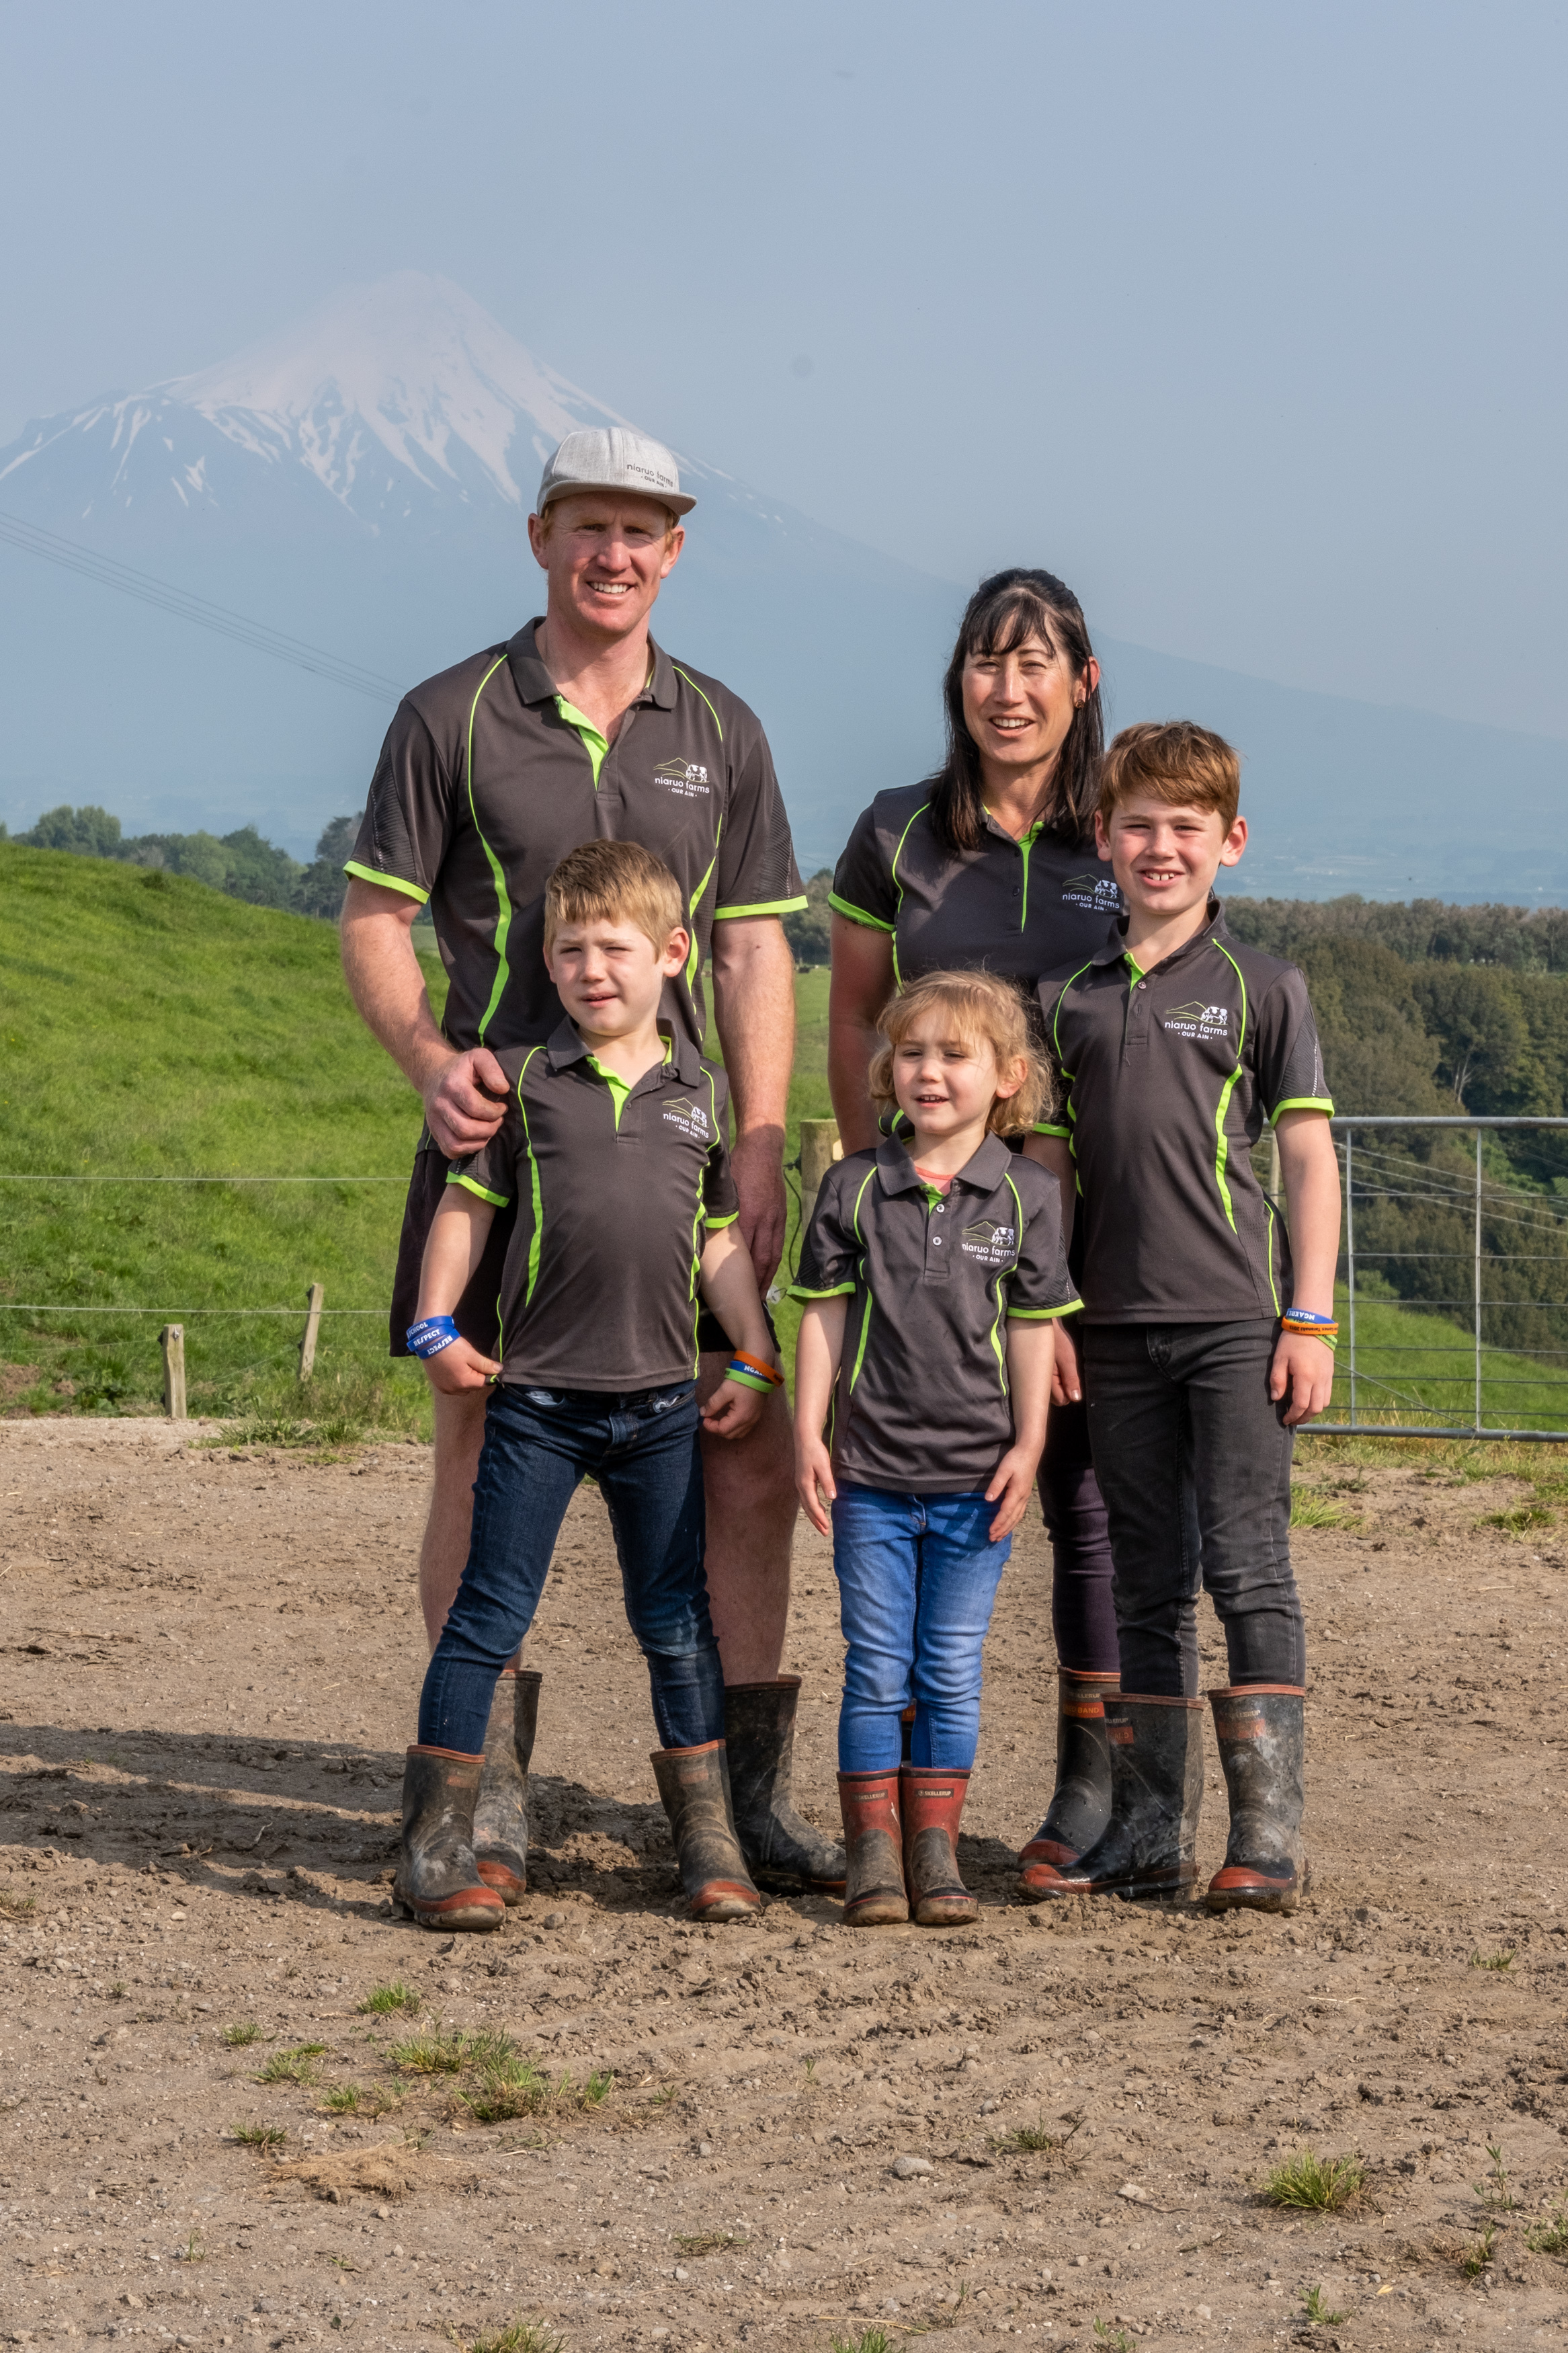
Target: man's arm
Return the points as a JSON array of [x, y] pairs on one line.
[[463, 1093], [753, 1006]]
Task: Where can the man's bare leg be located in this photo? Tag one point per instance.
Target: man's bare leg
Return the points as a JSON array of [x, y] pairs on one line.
[[749, 1483], [459, 1435]]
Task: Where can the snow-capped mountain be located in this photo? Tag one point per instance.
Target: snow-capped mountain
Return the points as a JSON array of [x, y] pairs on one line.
[[360, 481]]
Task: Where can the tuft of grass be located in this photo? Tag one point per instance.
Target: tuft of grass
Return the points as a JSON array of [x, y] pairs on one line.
[[297, 2065], [1520, 1521], [16, 1907], [1117, 2339], [353, 2100], [519, 2336], [863, 2340], [1310, 1509], [708, 2242], [1323, 2185], [382, 2000], [1038, 2140], [266, 2138], [1550, 2238], [506, 2089], [430, 2052], [1316, 2313], [193, 2250], [1494, 2190], [118, 1990], [947, 2316], [1479, 2258], [243, 2031], [1479, 1960]]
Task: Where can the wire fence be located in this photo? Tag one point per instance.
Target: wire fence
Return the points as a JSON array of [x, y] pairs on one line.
[[1453, 1279]]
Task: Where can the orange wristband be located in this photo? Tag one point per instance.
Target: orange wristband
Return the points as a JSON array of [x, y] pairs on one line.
[[769, 1373]]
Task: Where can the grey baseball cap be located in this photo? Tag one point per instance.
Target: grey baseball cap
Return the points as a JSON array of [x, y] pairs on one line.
[[613, 458]]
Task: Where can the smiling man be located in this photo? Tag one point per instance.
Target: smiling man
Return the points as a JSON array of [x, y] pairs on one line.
[[581, 728]]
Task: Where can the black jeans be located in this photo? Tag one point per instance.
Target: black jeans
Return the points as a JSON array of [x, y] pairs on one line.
[[1083, 1609], [1193, 1461]]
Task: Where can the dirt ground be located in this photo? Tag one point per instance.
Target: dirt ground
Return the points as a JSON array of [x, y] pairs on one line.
[[211, 1666]]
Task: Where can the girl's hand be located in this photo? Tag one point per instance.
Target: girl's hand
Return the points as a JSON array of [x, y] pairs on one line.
[[460, 1367], [1012, 1486], [1066, 1381], [732, 1410], [814, 1471], [1303, 1373]]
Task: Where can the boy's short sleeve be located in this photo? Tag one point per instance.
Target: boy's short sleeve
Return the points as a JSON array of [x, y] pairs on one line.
[[862, 880], [1040, 1285], [720, 1201], [1289, 1060], [491, 1171], [757, 872], [830, 1254], [408, 818]]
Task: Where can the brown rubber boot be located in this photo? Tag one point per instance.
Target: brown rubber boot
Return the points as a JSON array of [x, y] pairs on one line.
[[437, 1880], [1081, 1804], [1261, 1732], [782, 1849], [931, 1801], [874, 1893], [695, 1789], [500, 1818], [1156, 1789]]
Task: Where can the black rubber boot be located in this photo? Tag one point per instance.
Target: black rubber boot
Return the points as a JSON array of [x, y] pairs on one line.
[[500, 1818], [931, 1802], [783, 1851], [437, 1880], [874, 1893], [1262, 1736], [1080, 1805], [1156, 1791], [695, 1790]]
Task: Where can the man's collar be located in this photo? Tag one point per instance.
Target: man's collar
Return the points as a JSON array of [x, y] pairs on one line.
[[683, 1061], [984, 1170], [1213, 928], [534, 684]]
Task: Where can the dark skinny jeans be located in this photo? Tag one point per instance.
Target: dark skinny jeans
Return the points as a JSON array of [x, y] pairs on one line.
[[539, 1444], [1083, 1610], [1193, 1461]]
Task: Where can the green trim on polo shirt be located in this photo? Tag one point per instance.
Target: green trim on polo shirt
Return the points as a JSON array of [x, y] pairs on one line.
[[717, 1225], [691, 682], [386, 881], [1222, 1148], [839, 1291], [866, 1319], [1041, 1128], [620, 1089], [536, 1191], [847, 907], [1133, 966], [1300, 1102], [497, 872], [471, 1185], [595, 745], [1026, 843], [1043, 1314], [769, 907], [898, 904]]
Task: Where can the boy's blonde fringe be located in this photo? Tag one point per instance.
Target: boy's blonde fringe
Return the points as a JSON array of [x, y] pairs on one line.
[[979, 1005]]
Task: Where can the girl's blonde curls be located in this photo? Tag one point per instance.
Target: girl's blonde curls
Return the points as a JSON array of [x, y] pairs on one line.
[[977, 1005]]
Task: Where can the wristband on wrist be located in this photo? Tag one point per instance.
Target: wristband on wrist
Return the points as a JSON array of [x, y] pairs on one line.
[[431, 1334], [1310, 1315], [760, 1366]]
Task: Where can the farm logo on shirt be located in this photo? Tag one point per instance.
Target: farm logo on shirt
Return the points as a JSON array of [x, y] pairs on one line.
[[1097, 893], [690, 1118], [686, 779], [992, 1244], [1196, 1020]]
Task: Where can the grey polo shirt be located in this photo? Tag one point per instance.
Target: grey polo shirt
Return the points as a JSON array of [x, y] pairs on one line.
[[922, 1403], [1017, 908], [1169, 1078], [616, 1190], [488, 778]]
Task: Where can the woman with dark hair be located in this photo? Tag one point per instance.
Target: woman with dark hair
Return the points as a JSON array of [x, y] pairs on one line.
[[991, 864]]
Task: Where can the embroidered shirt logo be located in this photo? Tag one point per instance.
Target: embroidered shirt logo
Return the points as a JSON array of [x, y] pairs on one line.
[[991, 1243], [1098, 892], [1196, 1021], [686, 779], [690, 1118]]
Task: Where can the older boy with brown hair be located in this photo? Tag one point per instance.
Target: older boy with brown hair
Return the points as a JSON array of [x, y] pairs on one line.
[[1208, 1325]]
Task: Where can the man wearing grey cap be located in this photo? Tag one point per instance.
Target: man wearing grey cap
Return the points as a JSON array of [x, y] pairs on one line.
[[581, 727]]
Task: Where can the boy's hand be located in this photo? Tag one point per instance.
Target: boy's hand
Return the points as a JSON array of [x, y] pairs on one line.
[[814, 1479], [732, 1410], [1012, 1486], [1302, 1372], [460, 1367], [1066, 1381]]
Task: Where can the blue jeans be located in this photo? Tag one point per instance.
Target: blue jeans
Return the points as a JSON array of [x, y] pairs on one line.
[[539, 1444], [917, 1581]]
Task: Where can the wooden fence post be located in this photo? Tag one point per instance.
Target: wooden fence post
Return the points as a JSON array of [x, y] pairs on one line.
[[171, 1340], [313, 1298], [819, 1148]]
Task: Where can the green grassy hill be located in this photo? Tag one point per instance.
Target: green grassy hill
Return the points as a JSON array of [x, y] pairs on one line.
[[154, 1028]]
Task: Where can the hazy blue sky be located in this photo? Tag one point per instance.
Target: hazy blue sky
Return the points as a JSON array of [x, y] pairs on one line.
[[1247, 319]]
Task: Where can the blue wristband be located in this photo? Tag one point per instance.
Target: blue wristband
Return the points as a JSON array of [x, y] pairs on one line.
[[428, 1338], [1306, 1315]]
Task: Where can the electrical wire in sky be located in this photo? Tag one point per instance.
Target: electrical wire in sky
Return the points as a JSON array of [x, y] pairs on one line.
[[111, 574]]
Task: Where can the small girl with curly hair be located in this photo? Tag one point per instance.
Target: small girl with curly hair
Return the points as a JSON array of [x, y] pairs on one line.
[[931, 1273]]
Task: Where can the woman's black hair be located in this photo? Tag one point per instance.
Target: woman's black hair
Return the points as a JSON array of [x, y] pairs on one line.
[[1005, 611]]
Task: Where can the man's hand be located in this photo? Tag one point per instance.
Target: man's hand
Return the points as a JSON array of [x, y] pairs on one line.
[[1303, 1371], [756, 1162], [464, 1102], [732, 1410], [1012, 1486], [1066, 1381], [460, 1367], [814, 1472]]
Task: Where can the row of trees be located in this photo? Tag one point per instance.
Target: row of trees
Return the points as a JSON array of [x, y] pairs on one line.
[[241, 864]]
